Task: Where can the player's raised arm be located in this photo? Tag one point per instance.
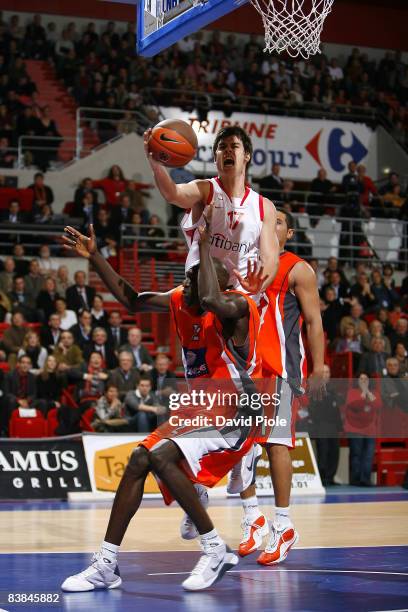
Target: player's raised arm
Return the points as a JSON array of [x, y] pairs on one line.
[[269, 244], [185, 195], [85, 246], [211, 297]]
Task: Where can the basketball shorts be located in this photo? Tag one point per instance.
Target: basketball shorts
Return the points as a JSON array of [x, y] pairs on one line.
[[284, 430]]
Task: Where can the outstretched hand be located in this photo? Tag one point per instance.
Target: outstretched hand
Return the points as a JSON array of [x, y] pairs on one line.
[[78, 243], [254, 279], [204, 230]]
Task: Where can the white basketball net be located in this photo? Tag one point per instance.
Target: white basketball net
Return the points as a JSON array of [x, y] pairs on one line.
[[293, 26]]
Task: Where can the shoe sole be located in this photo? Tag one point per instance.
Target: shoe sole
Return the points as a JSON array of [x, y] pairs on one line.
[[231, 560], [288, 545], [238, 488], [262, 532], [114, 585]]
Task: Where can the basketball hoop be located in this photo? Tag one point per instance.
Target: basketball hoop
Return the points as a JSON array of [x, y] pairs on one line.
[[293, 26]]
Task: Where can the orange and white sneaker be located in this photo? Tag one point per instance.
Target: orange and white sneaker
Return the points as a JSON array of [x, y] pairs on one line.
[[281, 541], [253, 535]]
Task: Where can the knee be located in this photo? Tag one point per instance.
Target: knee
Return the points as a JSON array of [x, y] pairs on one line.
[[277, 451], [159, 459], [139, 461]]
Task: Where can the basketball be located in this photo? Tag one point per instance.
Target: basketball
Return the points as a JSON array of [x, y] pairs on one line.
[[173, 143]]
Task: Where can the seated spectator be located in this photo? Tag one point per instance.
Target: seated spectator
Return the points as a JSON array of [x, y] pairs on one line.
[[367, 188], [20, 388], [384, 296], [349, 342], [7, 275], [67, 354], [393, 180], [7, 155], [401, 354], [125, 377], [50, 384], [334, 266], [51, 333], [33, 349], [163, 379], [142, 359], [394, 200], [373, 362], [42, 193], [122, 214], [400, 334], [46, 298], [136, 193], [48, 265], [383, 315], [5, 306], [99, 316], [82, 331], [104, 228], [13, 337], [84, 188], [142, 407], [13, 213], [376, 330], [363, 404], [340, 287], [326, 427], [80, 295], [21, 300], [363, 292], [394, 389], [272, 182], [113, 185], [68, 317], [33, 281], [117, 336], [154, 244], [321, 188], [62, 280], [91, 381], [109, 411], [45, 216], [100, 345], [332, 311], [354, 318], [22, 265]]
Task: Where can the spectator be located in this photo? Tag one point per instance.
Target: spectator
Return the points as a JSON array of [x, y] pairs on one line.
[[394, 389], [356, 312], [20, 389], [80, 295], [13, 214], [100, 345], [113, 185], [141, 356], [47, 128], [340, 288], [98, 313], [327, 425], [394, 200], [5, 306], [117, 336], [333, 266], [350, 180], [68, 318], [363, 292], [366, 186], [372, 363], [22, 265], [33, 281], [13, 337], [155, 235], [383, 315], [376, 330], [91, 381], [104, 228], [123, 212], [7, 275], [323, 187], [142, 407], [400, 334], [48, 265], [35, 39], [401, 354], [384, 296], [67, 354], [51, 333], [84, 188], [62, 280], [125, 377], [332, 311], [272, 182], [363, 405], [21, 301], [349, 342], [109, 411], [393, 180], [163, 379], [42, 193], [33, 349], [50, 384], [82, 331], [46, 298]]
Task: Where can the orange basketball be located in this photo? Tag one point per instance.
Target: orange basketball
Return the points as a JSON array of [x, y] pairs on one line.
[[173, 143]]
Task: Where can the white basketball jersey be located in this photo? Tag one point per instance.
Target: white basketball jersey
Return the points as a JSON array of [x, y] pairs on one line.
[[235, 230]]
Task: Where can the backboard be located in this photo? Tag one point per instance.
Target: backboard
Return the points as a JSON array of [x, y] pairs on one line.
[[161, 23]]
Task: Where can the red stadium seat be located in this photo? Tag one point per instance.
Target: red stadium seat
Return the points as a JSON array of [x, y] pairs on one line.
[[86, 420], [4, 366], [52, 422], [27, 427]]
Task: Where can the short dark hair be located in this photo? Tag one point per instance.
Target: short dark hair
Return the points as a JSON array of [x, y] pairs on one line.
[[234, 130], [38, 175], [145, 377], [290, 221]]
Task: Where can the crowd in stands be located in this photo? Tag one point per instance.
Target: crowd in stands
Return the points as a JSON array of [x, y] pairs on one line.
[[101, 70]]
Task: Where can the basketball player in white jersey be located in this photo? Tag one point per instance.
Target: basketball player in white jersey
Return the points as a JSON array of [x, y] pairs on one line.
[[243, 222]]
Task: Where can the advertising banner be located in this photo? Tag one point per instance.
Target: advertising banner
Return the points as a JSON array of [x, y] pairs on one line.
[[300, 146], [42, 469]]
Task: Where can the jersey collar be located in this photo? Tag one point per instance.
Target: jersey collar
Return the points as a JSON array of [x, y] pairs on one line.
[[244, 197]]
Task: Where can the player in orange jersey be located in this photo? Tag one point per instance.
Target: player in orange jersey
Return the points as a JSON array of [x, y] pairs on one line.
[[290, 299], [218, 330]]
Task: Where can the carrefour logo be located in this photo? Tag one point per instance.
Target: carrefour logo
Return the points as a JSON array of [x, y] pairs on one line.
[[336, 148]]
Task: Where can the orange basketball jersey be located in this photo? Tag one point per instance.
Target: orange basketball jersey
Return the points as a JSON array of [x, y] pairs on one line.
[[205, 351], [280, 337]]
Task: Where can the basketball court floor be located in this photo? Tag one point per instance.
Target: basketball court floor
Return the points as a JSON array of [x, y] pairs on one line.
[[352, 556]]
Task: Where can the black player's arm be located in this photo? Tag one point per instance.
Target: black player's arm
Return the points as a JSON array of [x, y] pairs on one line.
[[125, 293], [231, 306], [306, 290]]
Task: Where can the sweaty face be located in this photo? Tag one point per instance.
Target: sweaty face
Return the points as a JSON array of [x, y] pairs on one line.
[[230, 156]]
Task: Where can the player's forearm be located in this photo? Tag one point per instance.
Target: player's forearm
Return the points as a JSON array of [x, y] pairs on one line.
[[165, 184], [121, 289], [208, 288], [315, 336], [270, 263]]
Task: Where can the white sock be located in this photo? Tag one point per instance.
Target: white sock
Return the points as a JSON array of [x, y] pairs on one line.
[[251, 508], [282, 517], [211, 539], [109, 551]]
